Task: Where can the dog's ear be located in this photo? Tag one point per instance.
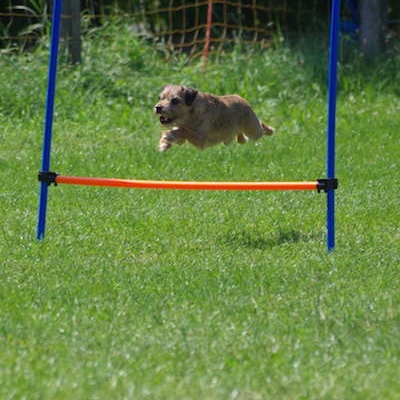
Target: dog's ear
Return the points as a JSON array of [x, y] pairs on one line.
[[189, 94]]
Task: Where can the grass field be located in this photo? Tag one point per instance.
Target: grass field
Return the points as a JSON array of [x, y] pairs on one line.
[[199, 295]]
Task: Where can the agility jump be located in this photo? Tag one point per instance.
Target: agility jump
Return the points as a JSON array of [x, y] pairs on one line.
[[328, 184], [52, 177]]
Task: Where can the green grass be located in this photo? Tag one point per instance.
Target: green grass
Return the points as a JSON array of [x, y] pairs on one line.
[[199, 295]]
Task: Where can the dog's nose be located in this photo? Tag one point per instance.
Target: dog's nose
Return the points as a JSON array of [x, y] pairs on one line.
[[158, 109]]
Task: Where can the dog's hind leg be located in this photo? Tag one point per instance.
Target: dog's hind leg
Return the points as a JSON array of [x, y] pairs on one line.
[[268, 130], [240, 138], [254, 128]]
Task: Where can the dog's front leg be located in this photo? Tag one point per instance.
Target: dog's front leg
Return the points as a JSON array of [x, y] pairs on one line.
[[168, 138]]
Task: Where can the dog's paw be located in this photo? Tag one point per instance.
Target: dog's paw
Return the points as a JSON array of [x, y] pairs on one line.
[[268, 130], [163, 146]]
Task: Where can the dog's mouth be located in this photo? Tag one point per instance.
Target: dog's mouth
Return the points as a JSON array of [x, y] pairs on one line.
[[165, 120]]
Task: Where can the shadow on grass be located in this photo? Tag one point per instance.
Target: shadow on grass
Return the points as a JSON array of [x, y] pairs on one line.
[[262, 240]]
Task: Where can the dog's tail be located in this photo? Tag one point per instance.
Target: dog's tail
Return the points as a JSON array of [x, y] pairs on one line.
[[268, 130]]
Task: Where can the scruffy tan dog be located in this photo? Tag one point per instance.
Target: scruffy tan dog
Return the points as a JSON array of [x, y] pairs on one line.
[[204, 119]]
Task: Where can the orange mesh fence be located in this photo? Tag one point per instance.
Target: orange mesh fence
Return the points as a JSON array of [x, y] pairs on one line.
[[184, 25]]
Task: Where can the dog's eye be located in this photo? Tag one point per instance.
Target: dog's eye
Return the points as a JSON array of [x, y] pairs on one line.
[[175, 101]]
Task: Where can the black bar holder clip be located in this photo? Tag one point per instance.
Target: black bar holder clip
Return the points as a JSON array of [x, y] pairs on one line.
[[327, 184], [48, 177]]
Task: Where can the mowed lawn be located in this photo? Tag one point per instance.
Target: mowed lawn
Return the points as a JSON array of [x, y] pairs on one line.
[[147, 294]]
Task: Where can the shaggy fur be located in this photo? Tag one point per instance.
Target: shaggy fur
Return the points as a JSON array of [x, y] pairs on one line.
[[204, 119]]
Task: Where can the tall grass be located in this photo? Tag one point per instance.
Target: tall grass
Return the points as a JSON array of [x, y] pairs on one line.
[[199, 295]]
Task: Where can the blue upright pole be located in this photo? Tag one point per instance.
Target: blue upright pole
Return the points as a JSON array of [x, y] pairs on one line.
[[331, 128], [51, 87]]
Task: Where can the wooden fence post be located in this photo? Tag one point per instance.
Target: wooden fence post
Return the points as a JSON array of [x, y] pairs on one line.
[[71, 29], [373, 26]]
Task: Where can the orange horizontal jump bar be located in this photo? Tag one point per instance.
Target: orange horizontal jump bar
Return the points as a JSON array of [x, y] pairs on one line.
[[185, 185]]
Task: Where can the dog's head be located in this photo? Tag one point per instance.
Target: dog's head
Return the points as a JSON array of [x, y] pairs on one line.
[[174, 104]]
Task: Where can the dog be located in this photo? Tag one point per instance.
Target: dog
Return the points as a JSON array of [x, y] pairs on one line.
[[204, 119]]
